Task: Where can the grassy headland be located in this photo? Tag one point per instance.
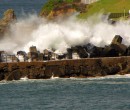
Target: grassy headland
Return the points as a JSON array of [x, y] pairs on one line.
[[52, 4], [105, 6]]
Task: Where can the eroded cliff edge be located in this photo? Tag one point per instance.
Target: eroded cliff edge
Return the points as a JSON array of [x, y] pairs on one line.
[[8, 18], [81, 68]]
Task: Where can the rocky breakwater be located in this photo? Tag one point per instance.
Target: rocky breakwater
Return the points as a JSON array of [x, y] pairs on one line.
[[81, 68], [8, 17]]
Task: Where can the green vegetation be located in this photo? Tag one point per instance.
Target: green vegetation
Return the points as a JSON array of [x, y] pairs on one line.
[[107, 6], [48, 7]]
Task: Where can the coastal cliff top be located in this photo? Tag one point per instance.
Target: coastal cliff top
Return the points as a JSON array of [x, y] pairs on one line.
[[107, 6], [53, 8], [86, 10]]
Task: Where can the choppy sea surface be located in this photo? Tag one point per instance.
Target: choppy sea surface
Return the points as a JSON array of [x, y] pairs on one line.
[[21, 6], [104, 93]]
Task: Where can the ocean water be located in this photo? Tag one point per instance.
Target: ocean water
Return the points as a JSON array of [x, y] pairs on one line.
[[21, 6], [104, 93], [109, 93]]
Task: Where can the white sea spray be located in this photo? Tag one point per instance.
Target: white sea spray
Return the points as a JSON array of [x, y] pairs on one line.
[[61, 34]]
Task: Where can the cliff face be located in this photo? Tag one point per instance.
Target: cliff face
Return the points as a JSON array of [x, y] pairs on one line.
[[82, 68], [61, 8], [61, 12], [9, 17]]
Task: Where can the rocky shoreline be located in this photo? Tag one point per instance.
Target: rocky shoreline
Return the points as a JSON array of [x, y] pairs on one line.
[[82, 68]]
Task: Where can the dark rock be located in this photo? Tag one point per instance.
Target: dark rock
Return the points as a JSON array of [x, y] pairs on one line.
[[120, 48], [93, 51], [115, 48], [128, 51], [14, 75], [69, 53], [21, 53], [113, 70], [82, 52], [61, 56], [2, 76], [117, 39], [109, 51]]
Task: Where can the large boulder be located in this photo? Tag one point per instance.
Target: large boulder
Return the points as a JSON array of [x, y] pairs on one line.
[[93, 50], [110, 51], [81, 51], [116, 48], [117, 39]]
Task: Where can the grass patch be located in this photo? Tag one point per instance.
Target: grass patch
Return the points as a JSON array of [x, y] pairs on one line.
[[107, 6]]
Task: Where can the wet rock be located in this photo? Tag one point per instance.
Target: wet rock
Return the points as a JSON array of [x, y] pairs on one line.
[[14, 75], [117, 39], [110, 51], [1, 76], [82, 52], [93, 50], [116, 48], [69, 53], [120, 48]]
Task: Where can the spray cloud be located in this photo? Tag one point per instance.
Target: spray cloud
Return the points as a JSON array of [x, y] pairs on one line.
[[61, 34]]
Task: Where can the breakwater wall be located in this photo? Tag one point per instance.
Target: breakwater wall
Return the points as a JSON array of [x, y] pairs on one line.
[[80, 68]]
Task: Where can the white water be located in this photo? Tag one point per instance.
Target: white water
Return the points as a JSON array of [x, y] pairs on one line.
[[53, 77], [24, 78], [110, 77], [62, 33]]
